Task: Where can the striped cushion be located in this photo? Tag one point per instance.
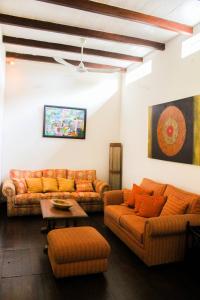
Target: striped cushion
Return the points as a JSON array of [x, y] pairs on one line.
[[174, 206]]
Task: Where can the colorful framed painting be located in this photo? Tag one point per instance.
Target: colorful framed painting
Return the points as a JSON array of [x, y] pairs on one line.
[[64, 122], [174, 131]]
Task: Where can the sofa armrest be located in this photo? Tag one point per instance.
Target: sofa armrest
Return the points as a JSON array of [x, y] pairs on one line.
[[170, 225], [113, 197], [100, 187], [8, 188]]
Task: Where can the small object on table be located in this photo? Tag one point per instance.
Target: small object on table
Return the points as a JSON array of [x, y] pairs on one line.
[[61, 204]]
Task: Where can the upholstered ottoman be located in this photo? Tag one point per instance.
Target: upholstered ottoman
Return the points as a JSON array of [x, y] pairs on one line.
[[77, 251]]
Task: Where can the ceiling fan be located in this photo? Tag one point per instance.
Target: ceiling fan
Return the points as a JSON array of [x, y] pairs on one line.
[[81, 68]]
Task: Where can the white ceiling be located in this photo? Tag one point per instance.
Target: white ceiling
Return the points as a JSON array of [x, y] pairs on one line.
[[183, 11]]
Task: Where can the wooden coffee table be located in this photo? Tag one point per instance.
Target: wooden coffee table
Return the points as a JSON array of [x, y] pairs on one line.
[[51, 215]]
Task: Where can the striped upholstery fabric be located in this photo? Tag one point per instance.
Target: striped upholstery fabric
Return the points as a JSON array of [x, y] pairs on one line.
[[193, 199], [174, 206], [157, 187], [77, 251], [28, 203], [164, 237]]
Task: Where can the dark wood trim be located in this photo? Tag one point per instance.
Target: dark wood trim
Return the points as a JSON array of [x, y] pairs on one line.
[[68, 48], [40, 58], [117, 12], [66, 29]]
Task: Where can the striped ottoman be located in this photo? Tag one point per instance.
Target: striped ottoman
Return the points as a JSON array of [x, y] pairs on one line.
[[77, 251]]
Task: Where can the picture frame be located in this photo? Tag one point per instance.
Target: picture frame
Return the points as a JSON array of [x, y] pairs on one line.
[[64, 122]]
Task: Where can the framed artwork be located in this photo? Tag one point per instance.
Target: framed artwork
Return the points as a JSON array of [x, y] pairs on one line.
[[64, 122], [174, 131]]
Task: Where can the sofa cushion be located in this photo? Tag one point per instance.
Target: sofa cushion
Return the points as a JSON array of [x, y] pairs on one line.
[[86, 196], [34, 198], [135, 225], [81, 174], [20, 185], [174, 206], [49, 184], [193, 199], [116, 211], [151, 206], [25, 174], [65, 185], [136, 190], [84, 187], [34, 185], [157, 187]]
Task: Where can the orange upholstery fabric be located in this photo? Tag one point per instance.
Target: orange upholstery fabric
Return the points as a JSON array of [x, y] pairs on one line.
[[49, 173], [77, 251], [113, 197], [86, 196], [134, 224], [77, 244], [65, 185], [82, 174], [34, 198], [193, 199], [151, 206], [61, 173], [126, 195], [84, 187], [20, 185], [156, 187], [25, 174], [34, 185], [49, 184], [116, 211], [174, 206], [136, 190]]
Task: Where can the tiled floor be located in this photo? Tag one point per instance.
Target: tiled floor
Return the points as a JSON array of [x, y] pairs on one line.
[[25, 272]]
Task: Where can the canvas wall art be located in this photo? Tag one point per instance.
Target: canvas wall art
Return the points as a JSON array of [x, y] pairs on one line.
[[64, 122], [174, 131]]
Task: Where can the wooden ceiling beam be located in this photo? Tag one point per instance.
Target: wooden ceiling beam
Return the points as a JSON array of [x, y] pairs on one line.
[[66, 29], [68, 48], [121, 13], [47, 59]]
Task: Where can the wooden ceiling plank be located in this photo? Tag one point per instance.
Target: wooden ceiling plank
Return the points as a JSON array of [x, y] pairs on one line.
[[117, 12], [47, 59], [66, 29], [68, 48]]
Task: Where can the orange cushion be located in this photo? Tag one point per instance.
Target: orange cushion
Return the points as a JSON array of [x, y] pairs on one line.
[[126, 195], [174, 206], [157, 187], [84, 187], [150, 206], [34, 185], [136, 190], [192, 199], [20, 185]]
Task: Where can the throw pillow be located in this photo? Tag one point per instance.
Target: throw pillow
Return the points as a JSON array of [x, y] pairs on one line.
[[49, 184], [150, 206], [20, 185], [174, 206], [84, 187], [34, 185], [136, 190], [65, 185], [126, 195]]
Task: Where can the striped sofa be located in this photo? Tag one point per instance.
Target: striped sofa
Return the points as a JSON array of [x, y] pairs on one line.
[[29, 203], [155, 240]]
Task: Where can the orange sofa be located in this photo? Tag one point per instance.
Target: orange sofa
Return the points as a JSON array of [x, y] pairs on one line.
[[29, 203], [155, 240]]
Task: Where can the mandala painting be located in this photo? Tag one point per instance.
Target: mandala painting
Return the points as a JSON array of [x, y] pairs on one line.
[[174, 131]]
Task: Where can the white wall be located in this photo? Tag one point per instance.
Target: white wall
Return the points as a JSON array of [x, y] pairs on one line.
[[2, 85], [172, 78], [31, 85]]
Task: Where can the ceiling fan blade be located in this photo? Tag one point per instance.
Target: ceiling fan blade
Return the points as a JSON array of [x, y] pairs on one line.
[[95, 70], [65, 63]]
